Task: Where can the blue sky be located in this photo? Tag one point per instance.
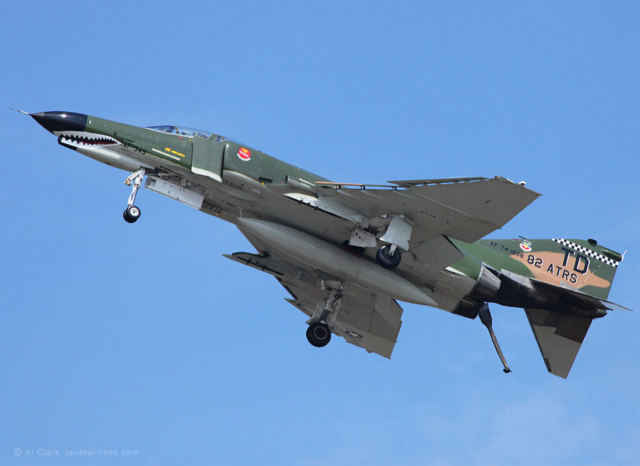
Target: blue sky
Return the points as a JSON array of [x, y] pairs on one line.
[[144, 338]]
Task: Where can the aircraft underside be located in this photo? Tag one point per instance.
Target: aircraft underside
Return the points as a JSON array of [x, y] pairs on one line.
[[347, 252]]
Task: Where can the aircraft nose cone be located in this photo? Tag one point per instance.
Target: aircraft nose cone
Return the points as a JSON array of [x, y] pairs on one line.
[[61, 121]]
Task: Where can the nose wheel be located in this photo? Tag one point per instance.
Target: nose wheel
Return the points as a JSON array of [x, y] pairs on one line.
[[132, 213]]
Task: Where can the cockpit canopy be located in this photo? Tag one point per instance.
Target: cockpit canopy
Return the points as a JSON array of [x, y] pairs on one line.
[[187, 132]]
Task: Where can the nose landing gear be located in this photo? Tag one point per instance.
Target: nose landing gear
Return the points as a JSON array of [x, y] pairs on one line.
[[132, 212]]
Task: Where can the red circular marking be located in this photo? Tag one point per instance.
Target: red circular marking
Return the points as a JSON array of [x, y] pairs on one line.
[[244, 154]]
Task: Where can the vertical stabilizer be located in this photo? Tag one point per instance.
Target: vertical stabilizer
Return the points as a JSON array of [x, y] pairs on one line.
[[574, 263]]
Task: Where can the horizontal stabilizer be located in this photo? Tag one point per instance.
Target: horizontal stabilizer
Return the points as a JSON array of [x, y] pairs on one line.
[[582, 299], [559, 338]]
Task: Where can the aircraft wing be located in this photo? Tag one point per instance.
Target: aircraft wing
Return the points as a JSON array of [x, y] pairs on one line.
[[363, 318], [462, 208]]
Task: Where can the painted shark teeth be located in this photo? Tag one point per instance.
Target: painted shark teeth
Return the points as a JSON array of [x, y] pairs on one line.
[[84, 139]]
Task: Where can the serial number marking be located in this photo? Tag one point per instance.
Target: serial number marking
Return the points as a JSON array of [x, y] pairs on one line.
[[510, 251], [126, 145]]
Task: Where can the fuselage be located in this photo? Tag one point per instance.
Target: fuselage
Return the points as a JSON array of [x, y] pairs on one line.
[[229, 180], [346, 253]]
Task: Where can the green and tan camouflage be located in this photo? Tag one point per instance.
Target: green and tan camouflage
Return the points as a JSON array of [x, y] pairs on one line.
[[347, 252]]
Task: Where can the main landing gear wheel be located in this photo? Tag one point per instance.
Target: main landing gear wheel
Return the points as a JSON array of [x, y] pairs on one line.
[[319, 334], [132, 214], [388, 259]]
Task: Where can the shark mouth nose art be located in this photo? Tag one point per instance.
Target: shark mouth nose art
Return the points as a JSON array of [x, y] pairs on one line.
[[75, 140]]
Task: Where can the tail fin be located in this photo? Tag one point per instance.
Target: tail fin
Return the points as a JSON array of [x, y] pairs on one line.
[[573, 263], [593, 265], [571, 281], [592, 268]]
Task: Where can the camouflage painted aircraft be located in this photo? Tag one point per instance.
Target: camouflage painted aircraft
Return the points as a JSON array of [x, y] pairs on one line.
[[347, 252]]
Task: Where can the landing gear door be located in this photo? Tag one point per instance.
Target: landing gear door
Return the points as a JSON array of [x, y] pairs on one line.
[[207, 158]]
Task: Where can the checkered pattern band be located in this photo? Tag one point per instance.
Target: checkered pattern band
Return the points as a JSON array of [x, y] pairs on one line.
[[588, 252]]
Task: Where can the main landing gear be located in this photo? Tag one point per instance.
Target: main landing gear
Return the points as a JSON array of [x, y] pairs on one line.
[[319, 332], [396, 237], [388, 256], [485, 318], [132, 212]]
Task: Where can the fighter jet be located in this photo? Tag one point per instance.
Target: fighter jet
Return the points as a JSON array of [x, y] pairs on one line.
[[346, 253]]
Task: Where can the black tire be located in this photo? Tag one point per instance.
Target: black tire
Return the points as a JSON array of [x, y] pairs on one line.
[[386, 260], [132, 214], [319, 334]]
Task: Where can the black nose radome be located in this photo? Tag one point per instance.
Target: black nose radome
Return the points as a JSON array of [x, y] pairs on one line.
[[61, 121]]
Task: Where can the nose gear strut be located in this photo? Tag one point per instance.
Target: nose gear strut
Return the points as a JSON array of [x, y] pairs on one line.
[[132, 212], [485, 318]]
